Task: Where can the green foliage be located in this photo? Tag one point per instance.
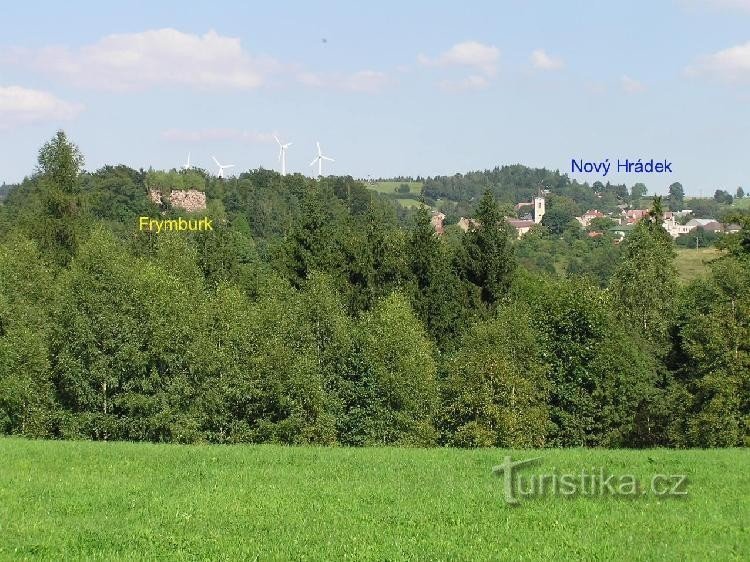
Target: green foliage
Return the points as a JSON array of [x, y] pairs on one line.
[[595, 258], [394, 395], [437, 295], [261, 373], [645, 281], [319, 312], [27, 405], [723, 197], [313, 244], [712, 356], [486, 258], [59, 166], [560, 215], [601, 224], [60, 161], [495, 389], [705, 208], [166, 182], [638, 191], [599, 375], [698, 238], [119, 344], [676, 197]]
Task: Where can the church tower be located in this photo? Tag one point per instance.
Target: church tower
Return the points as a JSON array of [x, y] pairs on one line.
[[538, 209]]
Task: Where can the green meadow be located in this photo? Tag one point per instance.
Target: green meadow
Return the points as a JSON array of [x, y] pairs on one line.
[[693, 263], [409, 202], [107, 501], [389, 187]]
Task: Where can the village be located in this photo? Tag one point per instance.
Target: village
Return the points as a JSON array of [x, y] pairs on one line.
[[676, 223]]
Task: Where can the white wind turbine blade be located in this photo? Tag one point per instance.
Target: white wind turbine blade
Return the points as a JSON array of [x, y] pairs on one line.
[[314, 160], [288, 144], [319, 152], [228, 166], [277, 140], [217, 162], [329, 159]]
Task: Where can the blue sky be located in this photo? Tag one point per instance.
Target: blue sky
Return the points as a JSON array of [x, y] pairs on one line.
[[389, 88]]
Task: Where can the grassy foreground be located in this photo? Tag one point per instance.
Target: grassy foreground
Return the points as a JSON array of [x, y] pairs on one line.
[[72, 500]]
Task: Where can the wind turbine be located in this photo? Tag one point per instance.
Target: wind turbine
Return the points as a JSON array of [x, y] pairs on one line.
[[319, 159], [282, 154], [187, 165], [222, 167]]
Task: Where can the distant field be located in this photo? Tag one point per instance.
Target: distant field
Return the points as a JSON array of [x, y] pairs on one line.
[[83, 500], [692, 264], [409, 203], [743, 203], [415, 187]]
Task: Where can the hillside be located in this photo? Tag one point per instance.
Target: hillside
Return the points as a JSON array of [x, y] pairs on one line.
[[315, 311], [693, 264]]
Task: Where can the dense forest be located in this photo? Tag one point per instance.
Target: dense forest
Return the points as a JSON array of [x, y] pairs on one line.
[[319, 312]]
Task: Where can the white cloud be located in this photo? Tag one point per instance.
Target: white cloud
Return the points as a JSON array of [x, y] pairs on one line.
[[473, 82], [23, 105], [631, 86], [218, 134], [134, 61], [172, 58], [365, 81], [541, 60], [479, 56], [742, 5], [732, 64]]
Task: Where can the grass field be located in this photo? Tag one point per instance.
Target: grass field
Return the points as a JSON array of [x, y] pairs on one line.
[[83, 500], [411, 203], [743, 203], [415, 187], [692, 263]]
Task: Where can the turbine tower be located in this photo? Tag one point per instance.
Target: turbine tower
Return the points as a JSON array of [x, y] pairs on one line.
[[187, 165], [222, 167], [282, 154], [319, 159]]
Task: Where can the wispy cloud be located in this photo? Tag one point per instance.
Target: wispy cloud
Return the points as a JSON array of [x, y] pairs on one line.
[[542, 61], [742, 5], [732, 64], [631, 85], [479, 56], [218, 134], [473, 82], [20, 105], [135, 61], [172, 58], [363, 81]]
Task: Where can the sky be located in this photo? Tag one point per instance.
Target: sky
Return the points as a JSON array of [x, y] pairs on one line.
[[388, 88]]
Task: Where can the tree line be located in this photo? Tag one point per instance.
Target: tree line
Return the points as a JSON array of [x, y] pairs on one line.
[[315, 313]]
